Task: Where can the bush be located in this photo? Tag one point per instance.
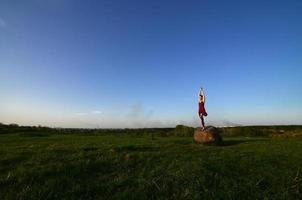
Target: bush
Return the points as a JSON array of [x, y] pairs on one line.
[[261, 131], [181, 130]]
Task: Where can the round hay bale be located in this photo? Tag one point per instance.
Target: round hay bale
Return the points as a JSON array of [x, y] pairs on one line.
[[209, 135]]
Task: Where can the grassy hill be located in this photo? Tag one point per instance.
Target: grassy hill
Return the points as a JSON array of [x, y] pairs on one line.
[[44, 163]]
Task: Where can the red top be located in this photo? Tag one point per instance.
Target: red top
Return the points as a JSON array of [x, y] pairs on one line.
[[201, 109]]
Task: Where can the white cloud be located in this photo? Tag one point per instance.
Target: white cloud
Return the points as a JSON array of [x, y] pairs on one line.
[[137, 110], [96, 112], [92, 112]]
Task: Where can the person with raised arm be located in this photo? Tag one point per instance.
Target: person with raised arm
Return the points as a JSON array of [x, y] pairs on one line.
[[201, 110]]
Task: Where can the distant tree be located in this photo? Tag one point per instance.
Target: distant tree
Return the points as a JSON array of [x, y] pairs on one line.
[[181, 130], [13, 125]]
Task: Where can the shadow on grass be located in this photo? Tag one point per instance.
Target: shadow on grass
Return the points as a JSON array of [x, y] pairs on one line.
[[135, 148], [33, 134], [90, 148], [232, 142], [183, 142]]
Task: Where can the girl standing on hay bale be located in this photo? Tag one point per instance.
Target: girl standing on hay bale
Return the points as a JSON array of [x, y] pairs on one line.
[[201, 110]]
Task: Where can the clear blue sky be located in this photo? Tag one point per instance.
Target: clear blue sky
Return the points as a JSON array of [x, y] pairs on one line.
[[94, 63]]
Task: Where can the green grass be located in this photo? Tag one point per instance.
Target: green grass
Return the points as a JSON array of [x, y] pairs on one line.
[[78, 166]]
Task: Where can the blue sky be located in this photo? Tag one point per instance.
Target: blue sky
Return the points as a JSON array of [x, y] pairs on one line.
[[73, 63]]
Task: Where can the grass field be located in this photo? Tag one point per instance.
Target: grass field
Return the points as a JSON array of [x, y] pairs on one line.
[[80, 166]]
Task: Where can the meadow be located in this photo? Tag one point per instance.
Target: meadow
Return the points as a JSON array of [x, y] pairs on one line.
[[44, 163]]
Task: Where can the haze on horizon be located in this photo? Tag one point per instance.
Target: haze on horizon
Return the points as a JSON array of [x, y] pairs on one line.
[[122, 64]]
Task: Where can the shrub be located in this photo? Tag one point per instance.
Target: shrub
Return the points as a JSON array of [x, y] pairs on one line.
[[181, 130]]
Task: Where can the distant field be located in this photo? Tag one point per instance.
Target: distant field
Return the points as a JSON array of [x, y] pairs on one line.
[[37, 165]]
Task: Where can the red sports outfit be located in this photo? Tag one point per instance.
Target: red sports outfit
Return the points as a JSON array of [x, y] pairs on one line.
[[201, 109]]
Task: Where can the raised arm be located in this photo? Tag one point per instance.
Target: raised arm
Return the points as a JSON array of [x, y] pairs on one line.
[[201, 92]]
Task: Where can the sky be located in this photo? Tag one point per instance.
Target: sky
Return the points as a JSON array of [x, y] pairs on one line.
[[140, 63]]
